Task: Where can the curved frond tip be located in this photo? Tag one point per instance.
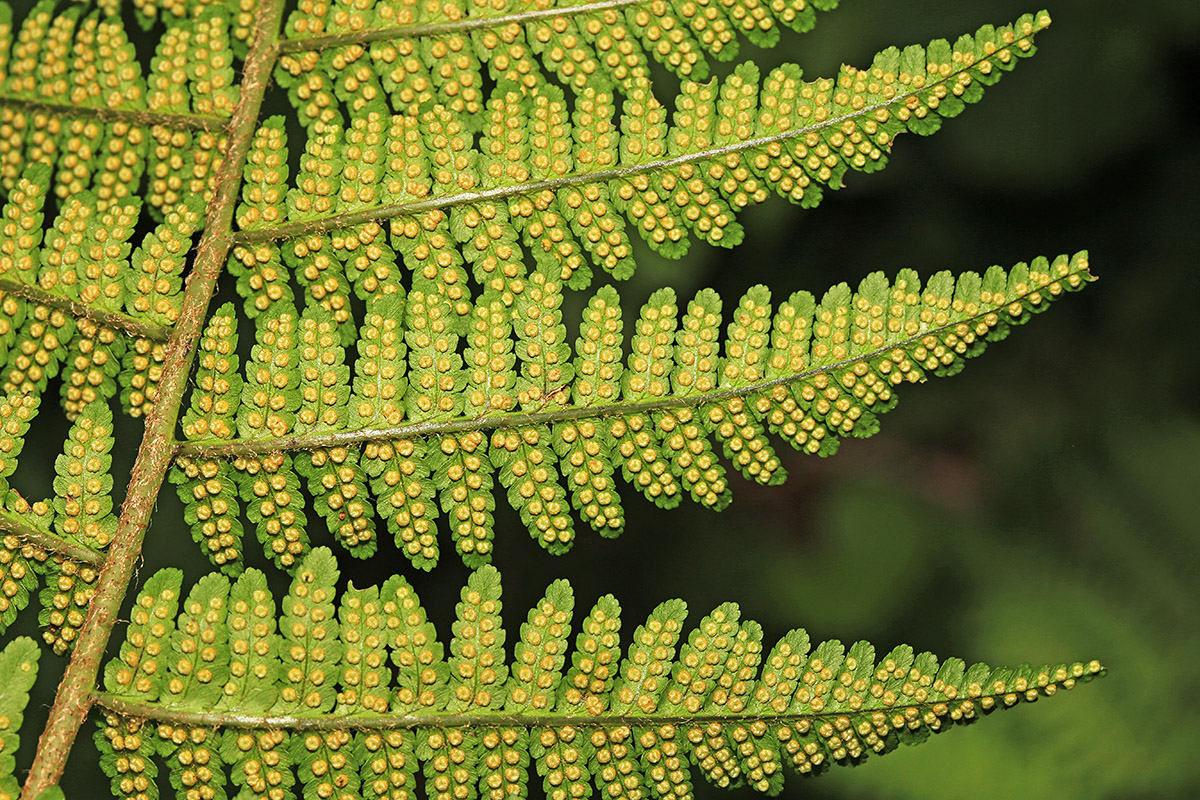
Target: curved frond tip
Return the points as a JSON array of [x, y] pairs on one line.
[[367, 701], [440, 412]]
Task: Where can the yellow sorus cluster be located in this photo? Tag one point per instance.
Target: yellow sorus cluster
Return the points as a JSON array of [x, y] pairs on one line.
[[341, 496], [696, 345], [406, 496], [211, 68], [202, 625], [388, 765], [35, 356], [363, 161], [541, 343], [16, 569], [432, 254], [131, 751], [449, 771], [251, 625], [619, 768], [105, 256], [642, 461], [538, 657], [455, 69], [665, 33], [564, 765], [266, 178], [93, 360], [69, 589], [564, 50], [646, 669], [151, 623], [532, 478], [270, 393], [272, 494], [469, 492], [701, 472], [589, 472], [598, 351], [666, 761], [329, 769], [650, 357], [199, 769], [489, 358], [21, 227], [264, 765], [477, 667], [16, 411], [323, 375], [213, 406], [83, 483], [261, 275], [415, 648], [155, 289], [379, 368], [504, 756], [594, 659], [713, 752], [311, 650], [316, 187], [369, 262], [364, 677], [400, 67], [212, 497], [142, 368], [434, 375], [60, 254]]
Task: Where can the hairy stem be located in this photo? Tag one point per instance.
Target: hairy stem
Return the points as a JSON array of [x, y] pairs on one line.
[[106, 319], [174, 121], [74, 697]]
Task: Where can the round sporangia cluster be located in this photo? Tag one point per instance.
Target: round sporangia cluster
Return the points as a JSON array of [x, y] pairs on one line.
[[387, 769], [19, 564], [16, 412], [448, 772], [197, 777], [479, 670], [365, 672], [327, 769], [343, 495], [142, 367], [83, 482], [364, 163], [60, 254], [21, 226], [64, 601], [263, 765], [128, 754], [643, 463], [306, 625], [211, 497], [618, 765], [566, 776], [564, 50], [504, 755], [743, 439], [264, 278], [667, 36], [265, 177], [589, 474], [489, 357], [598, 350], [665, 767], [531, 475], [406, 496], [456, 74], [273, 495], [702, 473]]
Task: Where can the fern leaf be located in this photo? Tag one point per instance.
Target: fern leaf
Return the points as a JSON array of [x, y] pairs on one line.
[[19, 665], [521, 411], [564, 176], [679, 702]]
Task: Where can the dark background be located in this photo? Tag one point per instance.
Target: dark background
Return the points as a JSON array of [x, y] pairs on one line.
[[1038, 507]]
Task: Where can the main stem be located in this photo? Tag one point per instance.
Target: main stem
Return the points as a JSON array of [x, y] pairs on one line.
[[74, 697]]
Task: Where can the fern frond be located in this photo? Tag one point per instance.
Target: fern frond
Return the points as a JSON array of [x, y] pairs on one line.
[[60, 541], [571, 180], [510, 405], [713, 700], [72, 83], [416, 52], [85, 301], [19, 666]]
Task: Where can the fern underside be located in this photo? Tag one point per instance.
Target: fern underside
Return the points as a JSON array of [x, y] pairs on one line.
[[463, 166]]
